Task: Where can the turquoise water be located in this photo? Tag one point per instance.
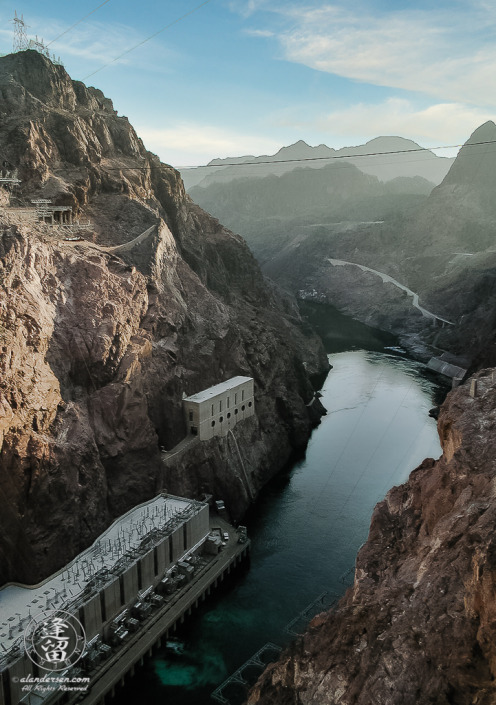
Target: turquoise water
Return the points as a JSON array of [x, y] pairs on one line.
[[308, 523]]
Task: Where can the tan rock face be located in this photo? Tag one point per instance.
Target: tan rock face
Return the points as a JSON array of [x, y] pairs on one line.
[[100, 338], [418, 625]]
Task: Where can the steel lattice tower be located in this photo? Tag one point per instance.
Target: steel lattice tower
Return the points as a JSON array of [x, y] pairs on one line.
[[20, 36]]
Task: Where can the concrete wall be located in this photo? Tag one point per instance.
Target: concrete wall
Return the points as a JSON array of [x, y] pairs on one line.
[[112, 598], [92, 617], [163, 556], [5, 681], [147, 570], [20, 669], [216, 415], [130, 578], [198, 527], [177, 544]]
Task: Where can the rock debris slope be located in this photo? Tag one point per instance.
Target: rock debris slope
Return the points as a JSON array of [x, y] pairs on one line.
[[101, 337], [418, 625]]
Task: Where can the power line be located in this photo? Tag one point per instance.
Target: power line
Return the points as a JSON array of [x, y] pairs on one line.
[[338, 156], [78, 22], [306, 159], [171, 24]]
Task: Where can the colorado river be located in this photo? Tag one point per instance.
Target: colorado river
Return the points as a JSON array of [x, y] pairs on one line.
[[308, 524]]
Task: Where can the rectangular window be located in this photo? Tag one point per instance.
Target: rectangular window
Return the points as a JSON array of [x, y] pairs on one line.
[[228, 402], [212, 409], [155, 561], [242, 395], [170, 550], [121, 588], [220, 405], [185, 536], [140, 579], [191, 416]]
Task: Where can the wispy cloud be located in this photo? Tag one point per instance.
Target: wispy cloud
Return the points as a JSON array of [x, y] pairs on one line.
[[264, 33], [246, 8], [94, 43], [183, 144], [447, 53]]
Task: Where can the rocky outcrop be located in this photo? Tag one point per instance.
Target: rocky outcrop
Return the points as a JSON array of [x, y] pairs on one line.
[[102, 336], [418, 625]]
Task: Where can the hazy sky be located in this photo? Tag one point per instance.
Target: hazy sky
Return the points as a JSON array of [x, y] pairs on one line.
[[249, 76]]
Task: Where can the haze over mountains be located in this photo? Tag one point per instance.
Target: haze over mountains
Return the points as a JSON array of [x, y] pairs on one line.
[[268, 202], [386, 157], [436, 240]]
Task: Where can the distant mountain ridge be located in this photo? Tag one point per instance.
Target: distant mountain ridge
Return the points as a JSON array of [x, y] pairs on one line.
[[268, 212], [385, 157]]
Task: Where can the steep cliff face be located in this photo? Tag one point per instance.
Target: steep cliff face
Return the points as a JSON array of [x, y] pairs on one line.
[[101, 337], [418, 625], [455, 264]]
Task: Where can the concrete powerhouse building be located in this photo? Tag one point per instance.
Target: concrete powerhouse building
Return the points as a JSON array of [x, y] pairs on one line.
[[143, 574], [110, 588], [214, 411]]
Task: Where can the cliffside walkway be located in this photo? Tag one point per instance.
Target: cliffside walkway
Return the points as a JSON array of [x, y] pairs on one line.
[[322, 603], [183, 445], [386, 278], [258, 660], [128, 246]]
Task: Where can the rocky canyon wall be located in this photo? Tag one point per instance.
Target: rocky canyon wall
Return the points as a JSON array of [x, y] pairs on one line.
[[418, 625], [101, 336]]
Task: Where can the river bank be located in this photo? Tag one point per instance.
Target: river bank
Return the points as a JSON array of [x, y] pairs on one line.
[[308, 523]]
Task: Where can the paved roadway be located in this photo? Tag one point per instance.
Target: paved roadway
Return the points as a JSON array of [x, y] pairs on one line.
[[387, 278]]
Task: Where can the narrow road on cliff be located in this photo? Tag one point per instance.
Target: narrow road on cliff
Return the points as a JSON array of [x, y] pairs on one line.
[[387, 278]]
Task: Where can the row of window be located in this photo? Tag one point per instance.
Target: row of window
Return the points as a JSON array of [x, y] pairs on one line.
[[228, 401], [221, 418]]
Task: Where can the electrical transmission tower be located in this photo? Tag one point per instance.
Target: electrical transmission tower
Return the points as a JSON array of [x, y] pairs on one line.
[[21, 41], [20, 36]]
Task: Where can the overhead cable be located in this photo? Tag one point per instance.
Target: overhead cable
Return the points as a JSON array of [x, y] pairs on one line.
[[307, 159], [78, 22], [339, 156], [128, 51]]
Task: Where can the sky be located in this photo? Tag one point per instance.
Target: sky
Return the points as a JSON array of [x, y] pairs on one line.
[[235, 77]]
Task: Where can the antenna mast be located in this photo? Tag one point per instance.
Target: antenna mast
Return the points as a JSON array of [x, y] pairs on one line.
[[20, 36]]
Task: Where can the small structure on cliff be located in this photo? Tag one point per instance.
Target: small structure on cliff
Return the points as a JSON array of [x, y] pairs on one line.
[[9, 180], [449, 366], [47, 213], [59, 218], [214, 411]]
